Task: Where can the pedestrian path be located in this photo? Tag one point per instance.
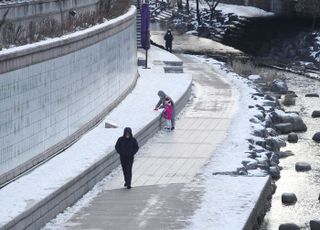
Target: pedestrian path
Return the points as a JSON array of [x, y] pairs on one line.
[[165, 194]]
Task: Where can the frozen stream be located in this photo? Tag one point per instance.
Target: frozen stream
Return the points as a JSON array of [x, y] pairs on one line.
[[304, 184]]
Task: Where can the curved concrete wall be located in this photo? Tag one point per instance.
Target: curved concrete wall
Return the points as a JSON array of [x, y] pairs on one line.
[[53, 91]]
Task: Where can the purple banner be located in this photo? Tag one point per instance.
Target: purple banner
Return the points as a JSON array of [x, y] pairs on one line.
[[145, 21]]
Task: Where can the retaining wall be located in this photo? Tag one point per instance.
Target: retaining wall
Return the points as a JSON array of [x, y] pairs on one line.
[[53, 91], [261, 207], [30, 19], [23, 11]]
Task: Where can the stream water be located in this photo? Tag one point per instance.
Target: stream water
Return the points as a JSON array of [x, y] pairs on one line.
[[306, 185]]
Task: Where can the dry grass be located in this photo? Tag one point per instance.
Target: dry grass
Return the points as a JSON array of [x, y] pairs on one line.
[[243, 67], [12, 34], [246, 67]]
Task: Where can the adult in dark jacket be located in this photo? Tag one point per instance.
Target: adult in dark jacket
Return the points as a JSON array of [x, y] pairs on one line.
[[127, 147], [161, 103], [168, 38]]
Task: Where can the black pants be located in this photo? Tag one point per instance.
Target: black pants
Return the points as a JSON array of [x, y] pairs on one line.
[[126, 163], [169, 47]]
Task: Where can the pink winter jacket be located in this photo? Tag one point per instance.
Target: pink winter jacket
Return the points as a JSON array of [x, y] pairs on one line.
[[167, 112]]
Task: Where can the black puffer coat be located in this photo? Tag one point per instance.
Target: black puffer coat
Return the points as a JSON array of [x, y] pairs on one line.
[[127, 147]]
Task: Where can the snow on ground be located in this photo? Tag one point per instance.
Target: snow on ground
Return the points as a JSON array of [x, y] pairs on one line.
[[135, 111], [12, 2], [314, 52], [243, 11], [229, 200], [240, 127]]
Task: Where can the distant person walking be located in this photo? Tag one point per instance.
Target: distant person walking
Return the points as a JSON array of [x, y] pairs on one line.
[[127, 147], [161, 104], [168, 38]]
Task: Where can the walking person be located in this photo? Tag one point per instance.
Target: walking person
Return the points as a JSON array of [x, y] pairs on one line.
[[168, 38], [127, 147], [161, 103]]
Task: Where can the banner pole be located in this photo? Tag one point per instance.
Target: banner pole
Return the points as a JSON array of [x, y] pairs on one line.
[[145, 33], [146, 66]]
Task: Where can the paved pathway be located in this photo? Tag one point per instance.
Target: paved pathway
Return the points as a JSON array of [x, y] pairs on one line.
[[163, 195]]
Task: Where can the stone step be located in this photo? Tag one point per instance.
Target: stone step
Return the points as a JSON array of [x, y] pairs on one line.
[[162, 16], [168, 13], [173, 69], [173, 63]]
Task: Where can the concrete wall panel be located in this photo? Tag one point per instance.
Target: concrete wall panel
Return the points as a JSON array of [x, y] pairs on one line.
[[45, 103], [32, 9]]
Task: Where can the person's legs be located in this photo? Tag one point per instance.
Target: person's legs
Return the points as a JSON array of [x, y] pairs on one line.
[[173, 119], [124, 170], [129, 171], [167, 124]]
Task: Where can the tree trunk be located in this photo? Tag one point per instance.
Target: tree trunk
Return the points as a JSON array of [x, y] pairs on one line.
[[198, 12], [187, 7], [179, 3]]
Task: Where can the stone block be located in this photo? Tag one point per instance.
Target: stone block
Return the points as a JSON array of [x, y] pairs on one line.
[[288, 198], [289, 226], [302, 166], [141, 62], [283, 128]]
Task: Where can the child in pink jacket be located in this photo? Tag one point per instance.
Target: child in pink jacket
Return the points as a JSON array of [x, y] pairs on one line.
[[167, 114]]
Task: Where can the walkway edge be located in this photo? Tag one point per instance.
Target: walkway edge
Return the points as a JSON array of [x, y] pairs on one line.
[[260, 208], [45, 210]]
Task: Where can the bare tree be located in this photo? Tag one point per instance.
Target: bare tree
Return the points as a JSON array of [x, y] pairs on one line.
[[2, 23], [187, 6], [198, 12], [212, 6]]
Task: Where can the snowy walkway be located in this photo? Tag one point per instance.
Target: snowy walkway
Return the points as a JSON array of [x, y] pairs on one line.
[[167, 189], [163, 196]]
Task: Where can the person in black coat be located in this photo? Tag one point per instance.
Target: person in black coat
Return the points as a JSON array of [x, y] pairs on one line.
[[168, 38], [127, 147]]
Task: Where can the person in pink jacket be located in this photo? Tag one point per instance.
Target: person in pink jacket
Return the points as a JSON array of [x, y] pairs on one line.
[[167, 114]]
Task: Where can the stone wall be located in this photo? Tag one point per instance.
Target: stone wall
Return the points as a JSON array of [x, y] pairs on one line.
[[32, 9], [27, 21], [53, 91]]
